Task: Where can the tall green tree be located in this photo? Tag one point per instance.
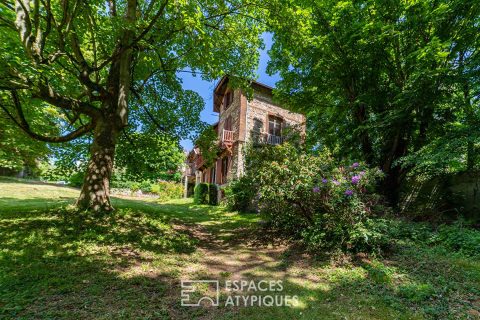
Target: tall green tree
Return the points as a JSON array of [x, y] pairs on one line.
[[147, 156], [97, 62], [380, 79]]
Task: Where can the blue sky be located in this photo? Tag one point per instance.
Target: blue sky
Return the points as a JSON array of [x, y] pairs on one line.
[[205, 88]]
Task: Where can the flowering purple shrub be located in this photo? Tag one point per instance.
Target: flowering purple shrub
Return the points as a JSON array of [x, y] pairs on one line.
[[356, 179], [311, 197]]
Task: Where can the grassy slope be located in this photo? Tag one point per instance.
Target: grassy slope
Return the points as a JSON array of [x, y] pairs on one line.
[[54, 264]]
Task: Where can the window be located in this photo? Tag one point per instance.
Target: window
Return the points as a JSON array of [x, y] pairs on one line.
[[257, 125], [227, 99], [213, 175], [225, 162], [275, 126], [228, 124]]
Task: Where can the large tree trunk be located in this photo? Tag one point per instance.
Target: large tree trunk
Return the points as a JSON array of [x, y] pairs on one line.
[[365, 143], [391, 185], [95, 194], [394, 174]]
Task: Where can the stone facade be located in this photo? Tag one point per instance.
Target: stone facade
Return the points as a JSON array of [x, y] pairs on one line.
[[261, 107], [247, 122]]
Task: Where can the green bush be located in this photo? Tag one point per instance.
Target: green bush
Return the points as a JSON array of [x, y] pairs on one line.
[[117, 184], [134, 186], [240, 195], [213, 194], [460, 239], [201, 193], [76, 179], [156, 188], [167, 190], [312, 198], [385, 233], [146, 186]]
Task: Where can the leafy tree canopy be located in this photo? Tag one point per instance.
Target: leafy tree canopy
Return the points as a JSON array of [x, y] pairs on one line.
[[382, 80], [17, 150], [105, 65], [146, 156]]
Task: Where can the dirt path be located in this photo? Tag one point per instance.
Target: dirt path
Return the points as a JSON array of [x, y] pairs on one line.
[[234, 253]]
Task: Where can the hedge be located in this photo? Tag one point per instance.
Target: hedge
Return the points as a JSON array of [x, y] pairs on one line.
[[201, 193], [213, 195], [206, 193]]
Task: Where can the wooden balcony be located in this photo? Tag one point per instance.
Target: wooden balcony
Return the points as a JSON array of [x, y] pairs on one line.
[[227, 136]]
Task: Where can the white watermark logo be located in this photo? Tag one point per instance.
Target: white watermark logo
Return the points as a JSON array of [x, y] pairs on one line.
[[191, 295], [237, 293]]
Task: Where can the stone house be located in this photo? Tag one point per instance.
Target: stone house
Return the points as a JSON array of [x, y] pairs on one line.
[[259, 121]]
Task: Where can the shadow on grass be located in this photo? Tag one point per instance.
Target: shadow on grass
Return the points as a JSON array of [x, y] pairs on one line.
[[55, 264], [58, 264]]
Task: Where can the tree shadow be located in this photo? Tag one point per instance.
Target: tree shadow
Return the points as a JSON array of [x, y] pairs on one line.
[[55, 264]]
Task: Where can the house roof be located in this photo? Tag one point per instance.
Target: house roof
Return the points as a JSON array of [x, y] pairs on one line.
[[222, 86]]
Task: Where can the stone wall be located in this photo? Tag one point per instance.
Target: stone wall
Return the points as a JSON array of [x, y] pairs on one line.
[[260, 108], [234, 111]]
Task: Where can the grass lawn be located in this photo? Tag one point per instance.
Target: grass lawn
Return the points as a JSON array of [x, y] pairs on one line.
[[58, 265]]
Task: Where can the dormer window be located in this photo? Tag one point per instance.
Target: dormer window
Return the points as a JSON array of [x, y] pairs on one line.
[[227, 99]]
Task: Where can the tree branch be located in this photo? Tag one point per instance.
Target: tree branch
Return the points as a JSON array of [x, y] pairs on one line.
[[47, 94], [119, 52], [112, 6], [149, 114], [23, 124]]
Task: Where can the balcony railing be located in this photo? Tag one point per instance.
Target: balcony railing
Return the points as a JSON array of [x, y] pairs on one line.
[[274, 140], [227, 136]]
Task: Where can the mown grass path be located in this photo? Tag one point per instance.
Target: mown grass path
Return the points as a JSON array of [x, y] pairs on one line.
[[55, 264]]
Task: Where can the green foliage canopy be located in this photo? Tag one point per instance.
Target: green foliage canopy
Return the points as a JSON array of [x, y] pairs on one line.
[[146, 156], [383, 80], [17, 150], [106, 65]]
